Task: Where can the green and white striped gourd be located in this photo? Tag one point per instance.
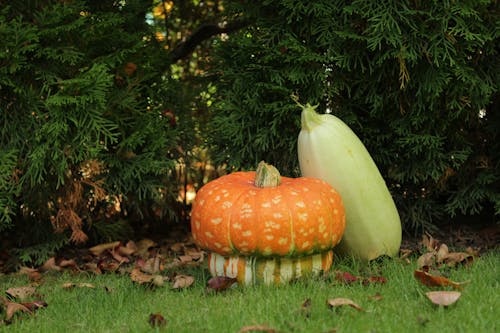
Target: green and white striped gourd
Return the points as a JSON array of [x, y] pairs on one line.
[[249, 270]]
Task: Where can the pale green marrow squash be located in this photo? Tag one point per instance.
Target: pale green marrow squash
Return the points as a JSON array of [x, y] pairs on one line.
[[328, 149]]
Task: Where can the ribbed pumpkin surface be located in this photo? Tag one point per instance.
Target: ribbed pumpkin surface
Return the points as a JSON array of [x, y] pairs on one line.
[[251, 270], [301, 216]]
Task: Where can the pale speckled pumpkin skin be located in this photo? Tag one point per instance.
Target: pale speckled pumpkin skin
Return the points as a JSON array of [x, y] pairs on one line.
[[252, 270], [301, 216]]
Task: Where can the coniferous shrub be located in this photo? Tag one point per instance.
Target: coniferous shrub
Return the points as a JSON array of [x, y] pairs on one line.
[[416, 80], [84, 138]]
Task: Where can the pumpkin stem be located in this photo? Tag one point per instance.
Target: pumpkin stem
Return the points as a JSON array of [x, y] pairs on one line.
[[267, 175]]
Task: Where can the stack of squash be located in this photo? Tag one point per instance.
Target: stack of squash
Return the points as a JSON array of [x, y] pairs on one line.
[[261, 227]]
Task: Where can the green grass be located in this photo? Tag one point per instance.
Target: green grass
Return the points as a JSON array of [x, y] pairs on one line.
[[125, 306]]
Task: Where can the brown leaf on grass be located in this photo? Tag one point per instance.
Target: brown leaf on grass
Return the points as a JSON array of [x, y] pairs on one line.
[[405, 253], [221, 283], [345, 277], [442, 253], [35, 305], [108, 266], [101, 248], [142, 278], [195, 254], [454, 258], [68, 263], [143, 247], [338, 302], [444, 298], [50, 265], [118, 257], [129, 249], [305, 308], [374, 279], [152, 265], [11, 308], [157, 320], [185, 259], [182, 281], [32, 273], [177, 247], [348, 278], [426, 260], [376, 297], [257, 328], [71, 285], [430, 243], [21, 293], [435, 281]]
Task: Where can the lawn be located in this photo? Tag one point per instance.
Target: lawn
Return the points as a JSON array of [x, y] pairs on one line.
[[112, 302]]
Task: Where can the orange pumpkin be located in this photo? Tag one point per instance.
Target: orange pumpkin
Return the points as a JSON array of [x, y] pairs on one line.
[[260, 213]]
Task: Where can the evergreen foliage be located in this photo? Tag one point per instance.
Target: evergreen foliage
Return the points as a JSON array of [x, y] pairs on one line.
[[83, 133], [416, 80]]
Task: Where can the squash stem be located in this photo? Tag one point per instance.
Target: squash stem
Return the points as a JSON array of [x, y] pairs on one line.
[[310, 118], [267, 175]]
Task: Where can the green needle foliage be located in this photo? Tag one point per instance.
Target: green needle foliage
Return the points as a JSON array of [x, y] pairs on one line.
[[83, 135], [416, 80]]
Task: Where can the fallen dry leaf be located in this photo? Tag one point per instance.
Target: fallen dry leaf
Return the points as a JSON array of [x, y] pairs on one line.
[[337, 302], [374, 279], [129, 249], [71, 285], [348, 278], [345, 277], [50, 265], [257, 328], [195, 254], [99, 249], [444, 298], [442, 253], [221, 283], [185, 258], [376, 297], [157, 320], [118, 257], [426, 260], [152, 265], [177, 247], [305, 308], [435, 281], [142, 278], [21, 293], [32, 273], [143, 247], [68, 263], [430, 243], [12, 308], [34, 305], [182, 281], [454, 258]]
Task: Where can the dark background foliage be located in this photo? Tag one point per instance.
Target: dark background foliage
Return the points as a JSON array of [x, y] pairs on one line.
[[112, 111], [417, 81]]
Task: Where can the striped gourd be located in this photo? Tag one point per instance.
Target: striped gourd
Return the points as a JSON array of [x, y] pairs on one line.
[[250, 270]]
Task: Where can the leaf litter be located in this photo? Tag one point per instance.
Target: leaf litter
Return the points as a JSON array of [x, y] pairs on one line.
[[443, 298], [147, 261]]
